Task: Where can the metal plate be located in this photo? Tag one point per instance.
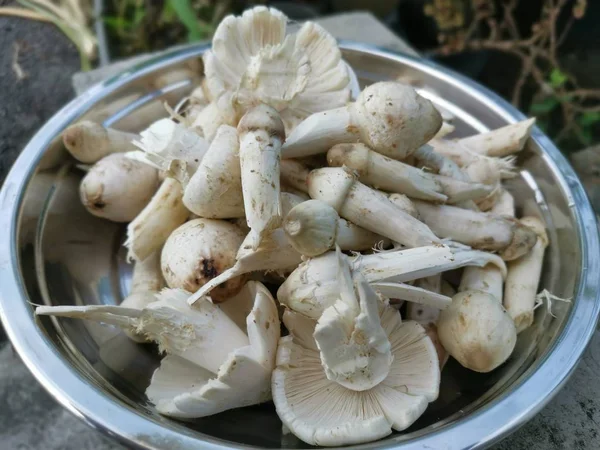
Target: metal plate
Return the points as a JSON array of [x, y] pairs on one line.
[[52, 251]]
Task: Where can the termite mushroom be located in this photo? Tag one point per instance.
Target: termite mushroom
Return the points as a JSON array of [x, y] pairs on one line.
[[502, 141], [384, 173], [524, 276], [89, 142], [199, 251], [313, 227], [508, 236], [476, 329], [389, 117], [215, 189], [261, 134], [366, 207], [117, 188], [155, 223]]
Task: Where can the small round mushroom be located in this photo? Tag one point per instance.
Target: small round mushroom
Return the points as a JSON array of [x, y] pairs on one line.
[[200, 250], [117, 188], [389, 117], [476, 329], [89, 142]]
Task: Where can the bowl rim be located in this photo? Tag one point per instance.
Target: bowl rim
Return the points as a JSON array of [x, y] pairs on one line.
[[487, 425]]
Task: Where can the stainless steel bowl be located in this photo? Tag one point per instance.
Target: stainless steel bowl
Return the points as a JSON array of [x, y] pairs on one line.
[[53, 252]]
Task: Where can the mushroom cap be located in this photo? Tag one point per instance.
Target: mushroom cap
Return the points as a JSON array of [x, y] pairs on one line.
[[394, 120], [200, 250], [117, 188], [311, 227], [323, 412], [182, 389], [252, 56], [166, 142], [477, 331]]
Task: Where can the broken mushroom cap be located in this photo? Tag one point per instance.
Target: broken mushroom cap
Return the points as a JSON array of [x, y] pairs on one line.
[[252, 56], [117, 188], [200, 250], [477, 331], [217, 357], [323, 408]]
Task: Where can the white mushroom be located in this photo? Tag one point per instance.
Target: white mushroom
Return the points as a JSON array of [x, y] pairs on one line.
[[172, 147], [275, 253], [217, 358], [89, 142], [221, 111], [364, 373], [252, 57], [502, 141], [384, 173], [510, 237], [200, 250], [524, 276], [117, 188], [146, 282], [311, 287], [261, 134], [475, 329], [153, 225], [443, 165], [366, 207], [215, 189], [313, 227], [391, 118]]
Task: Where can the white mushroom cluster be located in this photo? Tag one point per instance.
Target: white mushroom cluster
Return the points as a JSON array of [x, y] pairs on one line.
[[352, 210]]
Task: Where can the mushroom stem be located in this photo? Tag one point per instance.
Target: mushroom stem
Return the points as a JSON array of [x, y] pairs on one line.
[[389, 117], [478, 230], [215, 189], [414, 294], [146, 282], [384, 173], [524, 276], [464, 157], [367, 208], [502, 141], [151, 228], [294, 174], [311, 287], [261, 134], [487, 279], [504, 204], [354, 348], [89, 142], [442, 165]]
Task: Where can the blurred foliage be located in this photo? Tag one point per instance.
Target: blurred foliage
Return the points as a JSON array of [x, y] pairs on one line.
[[136, 26]]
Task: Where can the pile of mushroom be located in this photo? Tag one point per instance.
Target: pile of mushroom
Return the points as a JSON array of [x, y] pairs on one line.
[[352, 211]]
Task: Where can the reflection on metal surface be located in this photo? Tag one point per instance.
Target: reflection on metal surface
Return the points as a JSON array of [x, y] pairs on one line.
[[60, 254]]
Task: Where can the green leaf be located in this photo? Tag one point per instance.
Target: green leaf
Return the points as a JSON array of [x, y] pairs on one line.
[[558, 78], [544, 106], [187, 16], [587, 119]]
